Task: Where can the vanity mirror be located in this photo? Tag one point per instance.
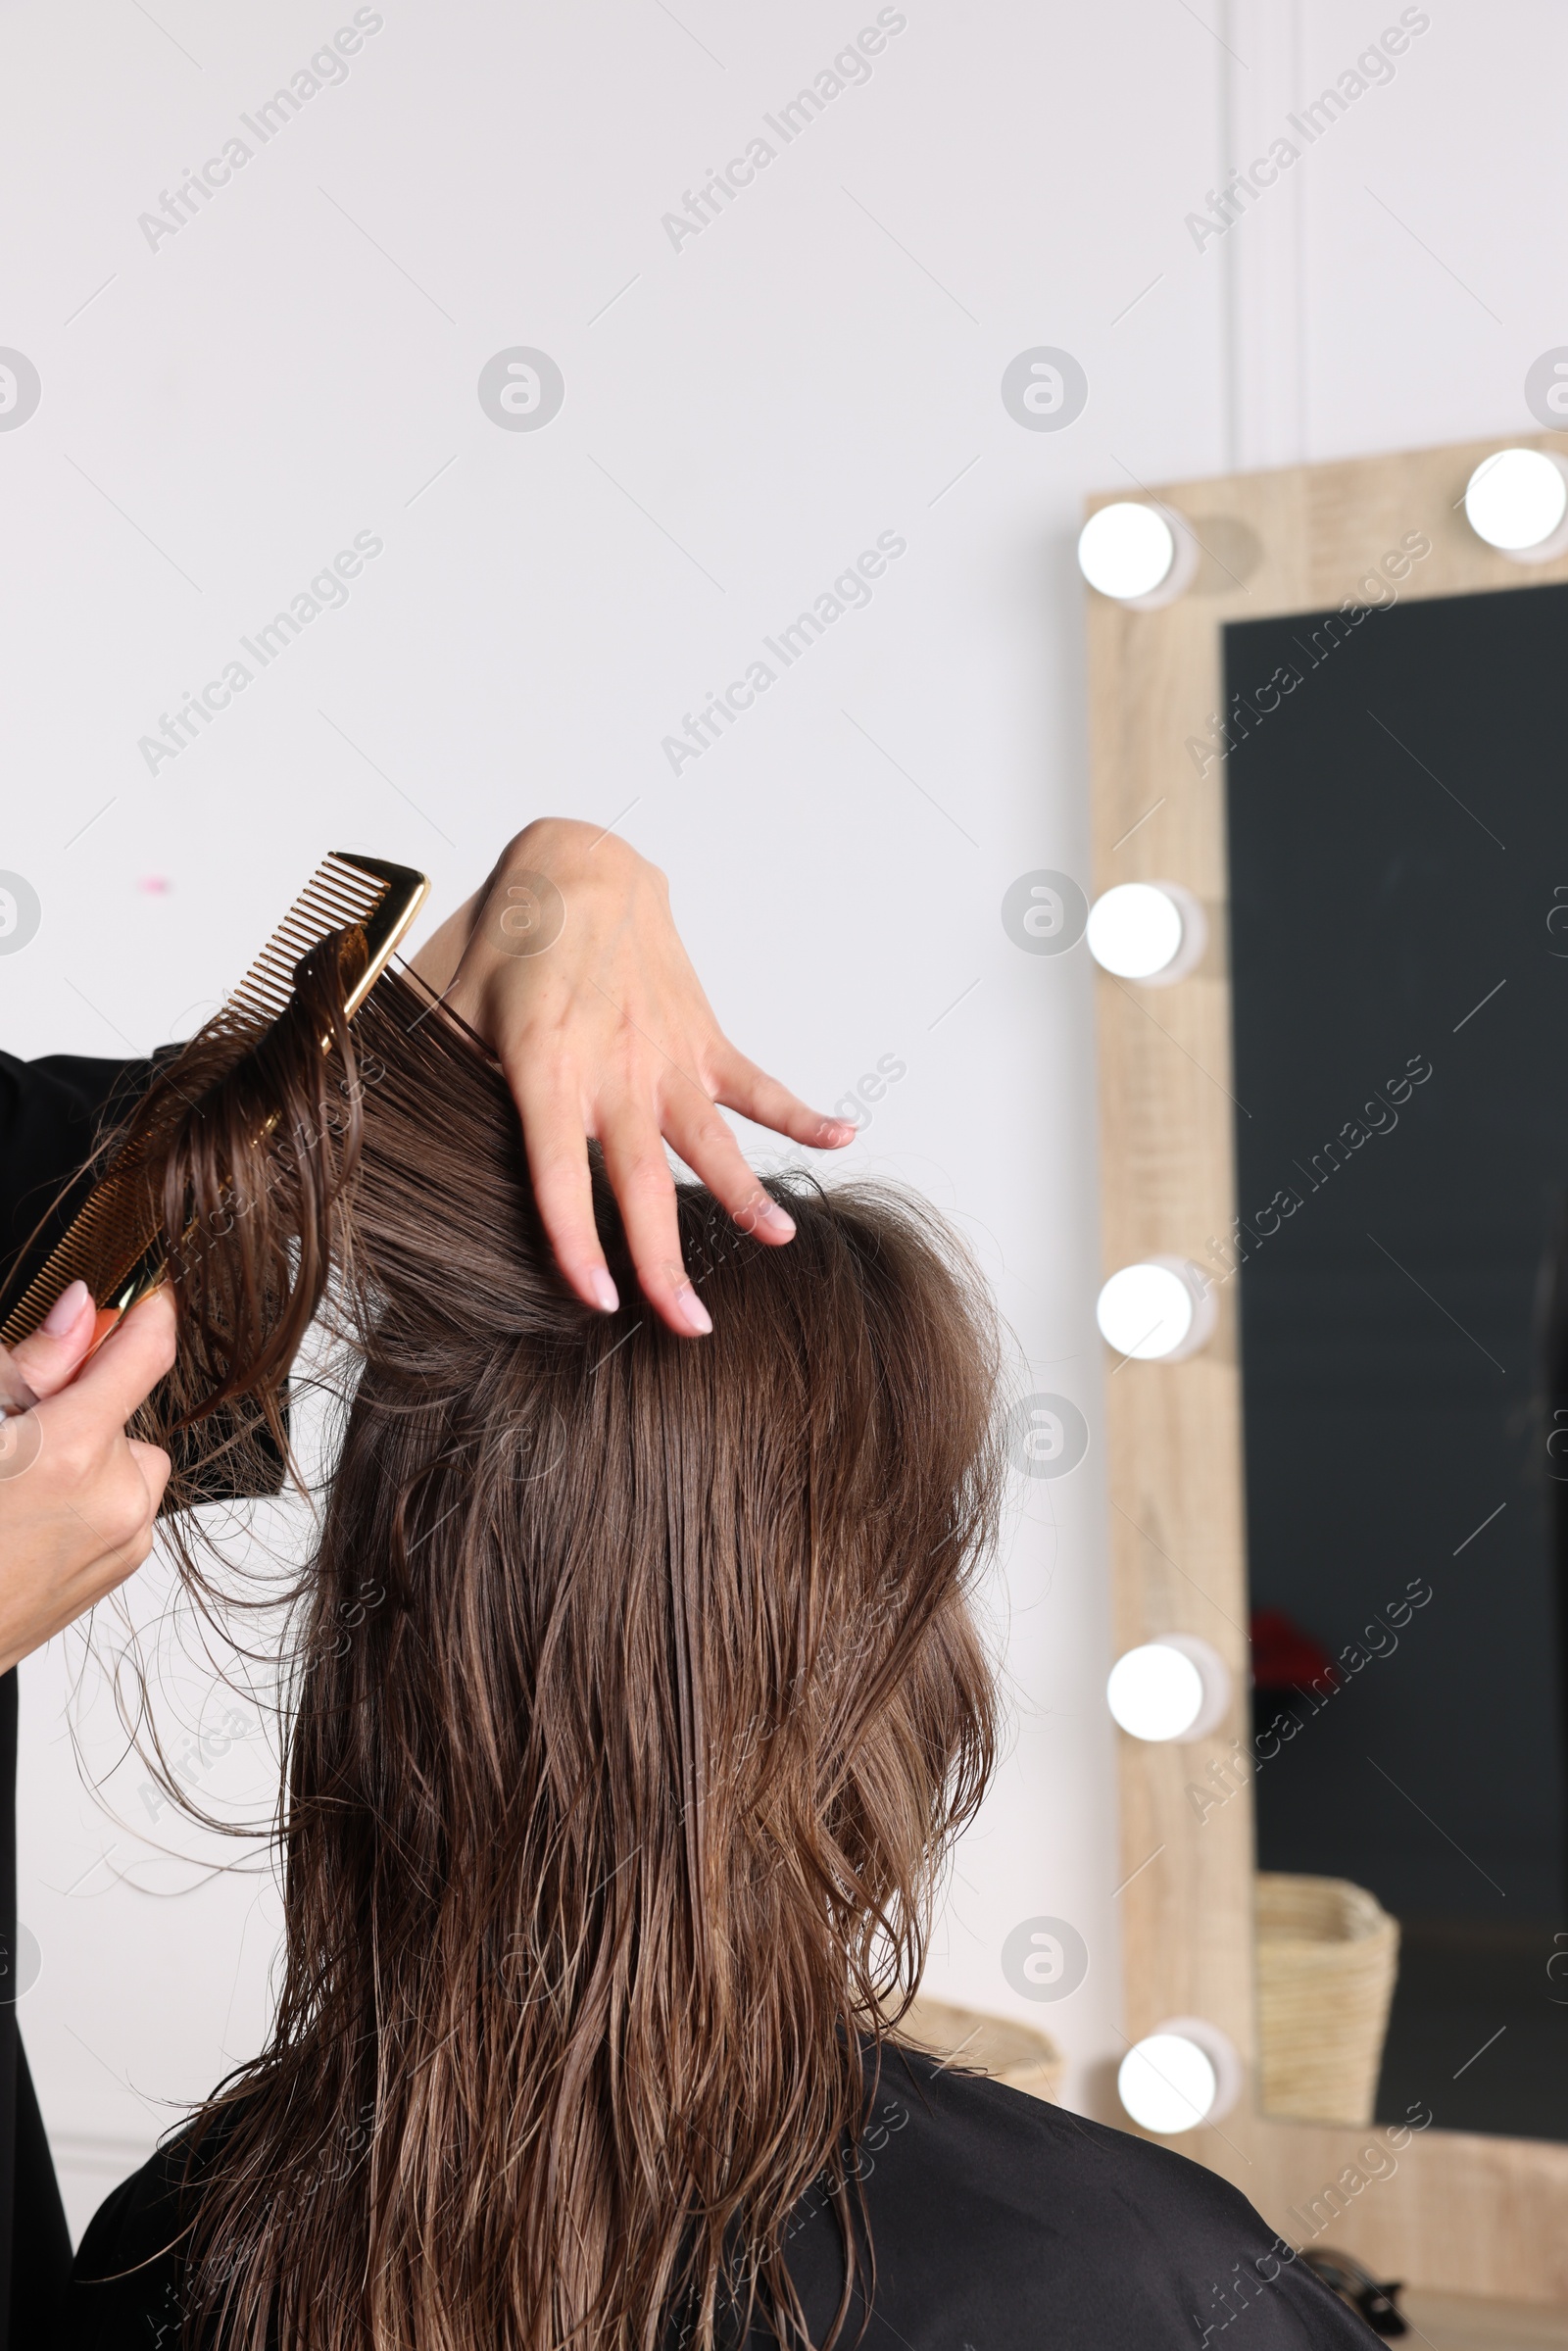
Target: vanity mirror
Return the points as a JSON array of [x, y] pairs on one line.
[[1398, 887], [1345, 1123]]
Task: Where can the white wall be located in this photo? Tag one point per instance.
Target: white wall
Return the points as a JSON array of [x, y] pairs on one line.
[[743, 415]]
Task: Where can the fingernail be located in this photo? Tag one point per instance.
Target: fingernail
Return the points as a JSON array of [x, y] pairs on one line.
[[768, 1213], [66, 1312], [607, 1298], [692, 1313], [836, 1130]]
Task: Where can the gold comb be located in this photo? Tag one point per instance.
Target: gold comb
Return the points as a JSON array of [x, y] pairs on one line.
[[111, 1243]]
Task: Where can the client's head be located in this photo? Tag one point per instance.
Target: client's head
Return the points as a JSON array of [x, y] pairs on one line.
[[637, 1700]]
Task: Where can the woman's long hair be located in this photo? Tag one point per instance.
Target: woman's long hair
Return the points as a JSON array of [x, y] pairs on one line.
[[635, 1702]]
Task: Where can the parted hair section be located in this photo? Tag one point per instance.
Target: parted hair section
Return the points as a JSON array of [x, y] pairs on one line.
[[636, 1703]]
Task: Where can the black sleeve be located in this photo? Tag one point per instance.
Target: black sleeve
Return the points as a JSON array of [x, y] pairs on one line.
[[40, 2239], [52, 1115]]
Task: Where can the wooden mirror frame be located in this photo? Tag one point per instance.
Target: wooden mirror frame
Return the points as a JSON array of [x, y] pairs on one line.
[[1473, 2214]]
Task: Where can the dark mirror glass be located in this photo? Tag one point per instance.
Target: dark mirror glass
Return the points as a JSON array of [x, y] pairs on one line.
[[1397, 810]]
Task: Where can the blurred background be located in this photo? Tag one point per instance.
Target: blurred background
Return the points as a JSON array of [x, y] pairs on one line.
[[463, 306]]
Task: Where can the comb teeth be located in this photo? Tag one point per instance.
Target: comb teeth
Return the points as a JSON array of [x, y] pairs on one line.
[[106, 1241], [117, 1227], [336, 898]]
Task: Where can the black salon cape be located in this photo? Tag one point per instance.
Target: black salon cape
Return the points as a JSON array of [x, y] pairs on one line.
[[999, 2223], [51, 1112]]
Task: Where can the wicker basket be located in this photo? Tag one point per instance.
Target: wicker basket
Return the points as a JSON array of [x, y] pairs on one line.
[[1327, 1956], [1018, 2054]]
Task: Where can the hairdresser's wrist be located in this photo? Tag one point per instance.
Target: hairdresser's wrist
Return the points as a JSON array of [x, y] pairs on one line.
[[556, 847]]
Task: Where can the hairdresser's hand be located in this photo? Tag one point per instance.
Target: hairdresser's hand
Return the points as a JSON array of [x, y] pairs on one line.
[[583, 989], [77, 1496]]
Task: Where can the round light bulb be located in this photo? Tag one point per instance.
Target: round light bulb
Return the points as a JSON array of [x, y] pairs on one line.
[[1183, 2073], [1160, 1311], [1517, 501], [1167, 2083], [1154, 1692], [1127, 549], [1155, 932], [1135, 930], [1176, 1688]]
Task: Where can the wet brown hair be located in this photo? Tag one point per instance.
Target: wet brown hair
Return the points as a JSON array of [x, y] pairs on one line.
[[634, 1703]]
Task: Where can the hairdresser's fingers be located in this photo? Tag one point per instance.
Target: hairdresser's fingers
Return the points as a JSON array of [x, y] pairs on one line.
[[78, 1502], [707, 1143], [156, 1467], [116, 1513], [17, 1395], [116, 1507], [557, 1161], [741, 1085], [54, 1353], [132, 1361], [640, 1178]]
